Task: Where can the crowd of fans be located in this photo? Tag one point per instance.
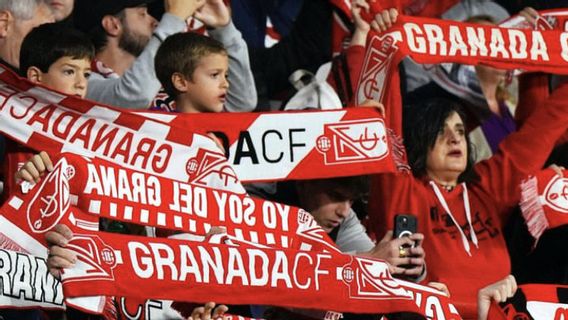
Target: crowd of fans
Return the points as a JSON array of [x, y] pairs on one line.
[[205, 56]]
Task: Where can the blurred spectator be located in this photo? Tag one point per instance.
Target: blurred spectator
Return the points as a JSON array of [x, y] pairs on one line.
[[329, 201], [126, 39], [61, 9], [418, 75], [307, 45], [17, 18]]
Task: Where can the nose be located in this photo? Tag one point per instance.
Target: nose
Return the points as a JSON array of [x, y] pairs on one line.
[[342, 208], [81, 82], [153, 23], [225, 83], [454, 137]]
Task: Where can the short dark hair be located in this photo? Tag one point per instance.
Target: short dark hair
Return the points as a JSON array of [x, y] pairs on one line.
[[49, 42], [342, 188], [421, 126], [181, 53]]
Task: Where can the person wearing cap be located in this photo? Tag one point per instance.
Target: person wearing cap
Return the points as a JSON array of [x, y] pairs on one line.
[[127, 38]]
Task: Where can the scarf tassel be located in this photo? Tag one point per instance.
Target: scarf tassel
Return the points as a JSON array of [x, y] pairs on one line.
[[532, 209]]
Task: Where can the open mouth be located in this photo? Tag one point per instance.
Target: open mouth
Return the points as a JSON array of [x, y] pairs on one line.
[[455, 153]]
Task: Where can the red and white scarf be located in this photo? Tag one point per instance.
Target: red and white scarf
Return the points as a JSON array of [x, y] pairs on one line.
[[43, 119], [289, 277], [263, 147], [295, 144], [432, 41], [544, 202], [533, 302], [107, 190]]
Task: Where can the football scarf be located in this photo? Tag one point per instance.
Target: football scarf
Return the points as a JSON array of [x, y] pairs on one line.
[[117, 265], [25, 219], [43, 119], [107, 190], [294, 144], [431, 41], [544, 202], [533, 302], [112, 264], [262, 147]]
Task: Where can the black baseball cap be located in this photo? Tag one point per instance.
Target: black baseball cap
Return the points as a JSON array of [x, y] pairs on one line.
[[88, 14]]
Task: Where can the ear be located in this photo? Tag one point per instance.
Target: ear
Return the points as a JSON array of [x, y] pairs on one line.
[[180, 82], [5, 19], [111, 25], [34, 74]]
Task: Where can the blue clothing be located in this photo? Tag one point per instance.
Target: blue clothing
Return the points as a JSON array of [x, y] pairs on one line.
[[250, 18]]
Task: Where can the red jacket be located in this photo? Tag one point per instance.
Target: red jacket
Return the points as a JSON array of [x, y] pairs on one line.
[[491, 200]]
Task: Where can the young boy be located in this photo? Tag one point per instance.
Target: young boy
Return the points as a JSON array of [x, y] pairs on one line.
[[58, 58], [193, 69]]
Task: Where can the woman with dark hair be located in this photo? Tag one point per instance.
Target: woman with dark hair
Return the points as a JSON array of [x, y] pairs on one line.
[[462, 207]]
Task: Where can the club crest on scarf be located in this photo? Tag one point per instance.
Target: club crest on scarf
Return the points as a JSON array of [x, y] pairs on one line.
[[371, 279], [211, 169], [51, 201], [556, 194], [95, 259], [377, 66], [353, 141]]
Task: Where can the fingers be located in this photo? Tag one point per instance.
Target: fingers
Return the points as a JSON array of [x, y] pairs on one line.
[[384, 20], [220, 311], [374, 104], [59, 236], [216, 140], [216, 230], [393, 15], [440, 286], [32, 170], [59, 257], [530, 14], [403, 241], [197, 313], [387, 237], [418, 238], [557, 169], [24, 175], [64, 231], [360, 4], [417, 252], [208, 312]]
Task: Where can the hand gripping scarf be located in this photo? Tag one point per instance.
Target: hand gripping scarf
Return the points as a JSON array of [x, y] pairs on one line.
[[233, 272], [544, 202], [533, 302]]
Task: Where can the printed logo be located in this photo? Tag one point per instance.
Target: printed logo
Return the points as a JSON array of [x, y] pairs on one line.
[[353, 141], [51, 200], [376, 68], [95, 259], [211, 169], [556, 194], [370, 279]]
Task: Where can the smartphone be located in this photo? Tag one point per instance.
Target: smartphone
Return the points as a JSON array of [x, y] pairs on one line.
[[404, 225]]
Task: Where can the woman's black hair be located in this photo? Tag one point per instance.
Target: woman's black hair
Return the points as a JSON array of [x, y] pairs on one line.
[[421, 126]]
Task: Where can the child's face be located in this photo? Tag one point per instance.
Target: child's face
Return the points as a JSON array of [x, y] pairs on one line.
[[67, 75], [207, 90]]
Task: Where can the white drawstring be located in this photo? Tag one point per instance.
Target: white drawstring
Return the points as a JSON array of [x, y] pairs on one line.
[[442, 201]]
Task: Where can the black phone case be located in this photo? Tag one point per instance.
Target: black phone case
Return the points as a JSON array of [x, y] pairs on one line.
[[404, 225]]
